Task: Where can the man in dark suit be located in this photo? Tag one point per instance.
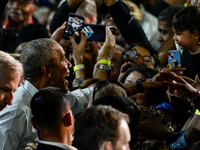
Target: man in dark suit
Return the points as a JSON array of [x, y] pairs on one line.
[[53, 120]]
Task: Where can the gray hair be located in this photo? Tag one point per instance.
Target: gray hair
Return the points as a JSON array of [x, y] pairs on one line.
[[86, 8], [11, 63], [35, 54]]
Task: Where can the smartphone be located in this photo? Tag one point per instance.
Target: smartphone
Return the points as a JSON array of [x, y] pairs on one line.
[[174, 55], [73, 27], [95, 32], [128, 54]]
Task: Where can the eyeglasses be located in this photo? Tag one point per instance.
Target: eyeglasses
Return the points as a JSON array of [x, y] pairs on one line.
[[150, 112], [104, 83]]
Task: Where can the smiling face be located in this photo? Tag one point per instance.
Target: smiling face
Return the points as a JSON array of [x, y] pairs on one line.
[[139, 98], [185, 39], [154, 125], [60, 70], [8, 84], [146, 55]]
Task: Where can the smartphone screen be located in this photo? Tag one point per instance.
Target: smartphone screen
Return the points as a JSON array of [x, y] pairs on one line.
[[73, 27], [128, 54]]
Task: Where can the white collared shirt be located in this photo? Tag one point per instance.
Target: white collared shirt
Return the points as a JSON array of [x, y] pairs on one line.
[[66, 147], [16, 129]]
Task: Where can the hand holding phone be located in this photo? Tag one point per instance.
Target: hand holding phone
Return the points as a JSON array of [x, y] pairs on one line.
[[73, 27]]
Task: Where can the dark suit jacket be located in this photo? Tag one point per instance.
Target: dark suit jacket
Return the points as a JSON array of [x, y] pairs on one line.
[[48, 147]]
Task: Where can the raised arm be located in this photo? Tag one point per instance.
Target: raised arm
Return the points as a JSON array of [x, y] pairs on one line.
[[69, 6], [129, 27], [78, 50], [105, 54]]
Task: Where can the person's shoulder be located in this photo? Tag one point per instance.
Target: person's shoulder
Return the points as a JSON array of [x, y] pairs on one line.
[[21, 97], [42, 146], [81, 91]]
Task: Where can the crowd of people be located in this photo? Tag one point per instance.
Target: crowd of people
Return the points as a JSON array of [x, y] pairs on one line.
[[121, 94]]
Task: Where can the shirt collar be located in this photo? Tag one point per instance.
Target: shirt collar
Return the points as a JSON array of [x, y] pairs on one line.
[[67, 147], [30, 88]]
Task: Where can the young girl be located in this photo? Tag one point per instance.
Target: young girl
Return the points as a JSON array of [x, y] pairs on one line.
[[186, 27]]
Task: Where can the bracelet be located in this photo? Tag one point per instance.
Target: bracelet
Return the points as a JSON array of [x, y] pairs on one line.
[[104, 67], [192, 99], [197, 112], [78, 67], [104, 61]]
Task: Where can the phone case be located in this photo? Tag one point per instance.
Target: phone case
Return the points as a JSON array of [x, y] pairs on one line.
[[95, 32], [174, 55], [128, 54], [73, 27]]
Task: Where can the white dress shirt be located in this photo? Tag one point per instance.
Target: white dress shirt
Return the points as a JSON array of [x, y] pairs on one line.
[[16, 129], [66, 147]]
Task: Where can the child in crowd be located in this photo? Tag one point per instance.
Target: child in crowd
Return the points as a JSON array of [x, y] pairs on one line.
[[186, 28]]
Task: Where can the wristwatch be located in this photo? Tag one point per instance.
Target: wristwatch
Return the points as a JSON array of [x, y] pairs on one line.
[[139, 85], [105, 67]]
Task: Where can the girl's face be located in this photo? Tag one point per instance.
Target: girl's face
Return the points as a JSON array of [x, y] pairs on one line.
[[139, 98], [146, 55], [185, 39]]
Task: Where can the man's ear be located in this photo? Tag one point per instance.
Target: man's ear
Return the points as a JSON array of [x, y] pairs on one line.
[[67, 119], [46, 70], [34, 123], [107, 145]]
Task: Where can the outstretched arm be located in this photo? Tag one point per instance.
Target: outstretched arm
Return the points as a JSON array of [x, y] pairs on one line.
[[189, 88]]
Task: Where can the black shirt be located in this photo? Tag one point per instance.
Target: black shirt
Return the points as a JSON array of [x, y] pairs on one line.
[[192, 64]]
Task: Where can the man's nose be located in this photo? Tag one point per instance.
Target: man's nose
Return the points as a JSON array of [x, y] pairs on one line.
[[160, 38], [175, 38], [69, 65], [9, 98]]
